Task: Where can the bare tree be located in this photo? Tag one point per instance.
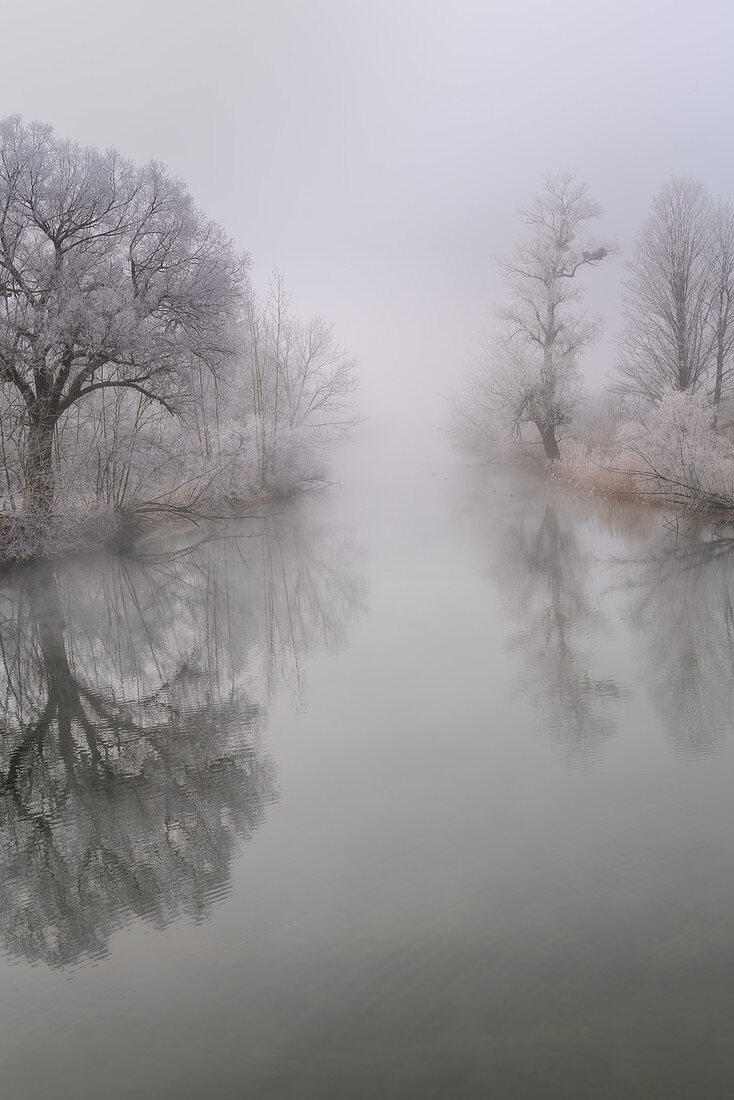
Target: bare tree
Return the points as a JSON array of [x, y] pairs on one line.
[[471, 421], [545, 329], [668, 341], [110, 278], [722, 314], [299, 381]]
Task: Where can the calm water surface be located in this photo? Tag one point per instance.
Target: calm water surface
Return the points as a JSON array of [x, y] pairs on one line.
[[413, 790]]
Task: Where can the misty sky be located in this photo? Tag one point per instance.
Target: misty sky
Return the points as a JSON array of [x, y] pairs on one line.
[[376, 152]]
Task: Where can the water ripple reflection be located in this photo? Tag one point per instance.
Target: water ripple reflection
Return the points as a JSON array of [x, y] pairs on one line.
[[618, 617], [134, 696], [547, 584]]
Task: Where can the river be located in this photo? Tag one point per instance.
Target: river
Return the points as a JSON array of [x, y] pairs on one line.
[[418, 787]]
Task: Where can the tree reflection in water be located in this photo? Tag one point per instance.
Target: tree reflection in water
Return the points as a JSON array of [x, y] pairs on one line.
[[683, 609], [671, 583], [134, 694], [544, 575]]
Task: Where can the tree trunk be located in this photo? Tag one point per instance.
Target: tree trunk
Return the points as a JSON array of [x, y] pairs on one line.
[[549, 442], [39, 472], [720, 354]]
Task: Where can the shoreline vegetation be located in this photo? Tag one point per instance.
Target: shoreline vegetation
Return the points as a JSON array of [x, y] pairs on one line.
[[24, 540], [674, 456], [594, 472], [140, 374], [663, 431]]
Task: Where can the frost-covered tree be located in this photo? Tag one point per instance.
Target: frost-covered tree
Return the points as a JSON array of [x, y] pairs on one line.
[[472, 422], [722, 313], [544, 328], [668, 341], [298, 389], [110, 279], [681, 457]]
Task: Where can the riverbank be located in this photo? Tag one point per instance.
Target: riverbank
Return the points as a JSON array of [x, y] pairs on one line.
[[29, 538], [706, 489]]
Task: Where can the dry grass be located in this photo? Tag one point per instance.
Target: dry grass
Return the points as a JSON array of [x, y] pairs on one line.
[[625, 473], [606, 471]]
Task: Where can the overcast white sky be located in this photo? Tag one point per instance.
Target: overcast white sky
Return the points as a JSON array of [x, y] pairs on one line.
[[376, 152]]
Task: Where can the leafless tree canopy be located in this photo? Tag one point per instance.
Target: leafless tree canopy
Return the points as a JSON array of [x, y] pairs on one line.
[[531, 372], [121, 304], [680, 296], [109, 278], [299, 383]]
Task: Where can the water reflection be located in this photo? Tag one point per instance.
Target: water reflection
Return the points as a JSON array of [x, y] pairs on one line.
[[682, 608], [543, 573], [134, 694], [587, 582]]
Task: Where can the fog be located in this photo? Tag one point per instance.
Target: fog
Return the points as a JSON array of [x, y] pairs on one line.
[[419, 785], [376, 153]]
